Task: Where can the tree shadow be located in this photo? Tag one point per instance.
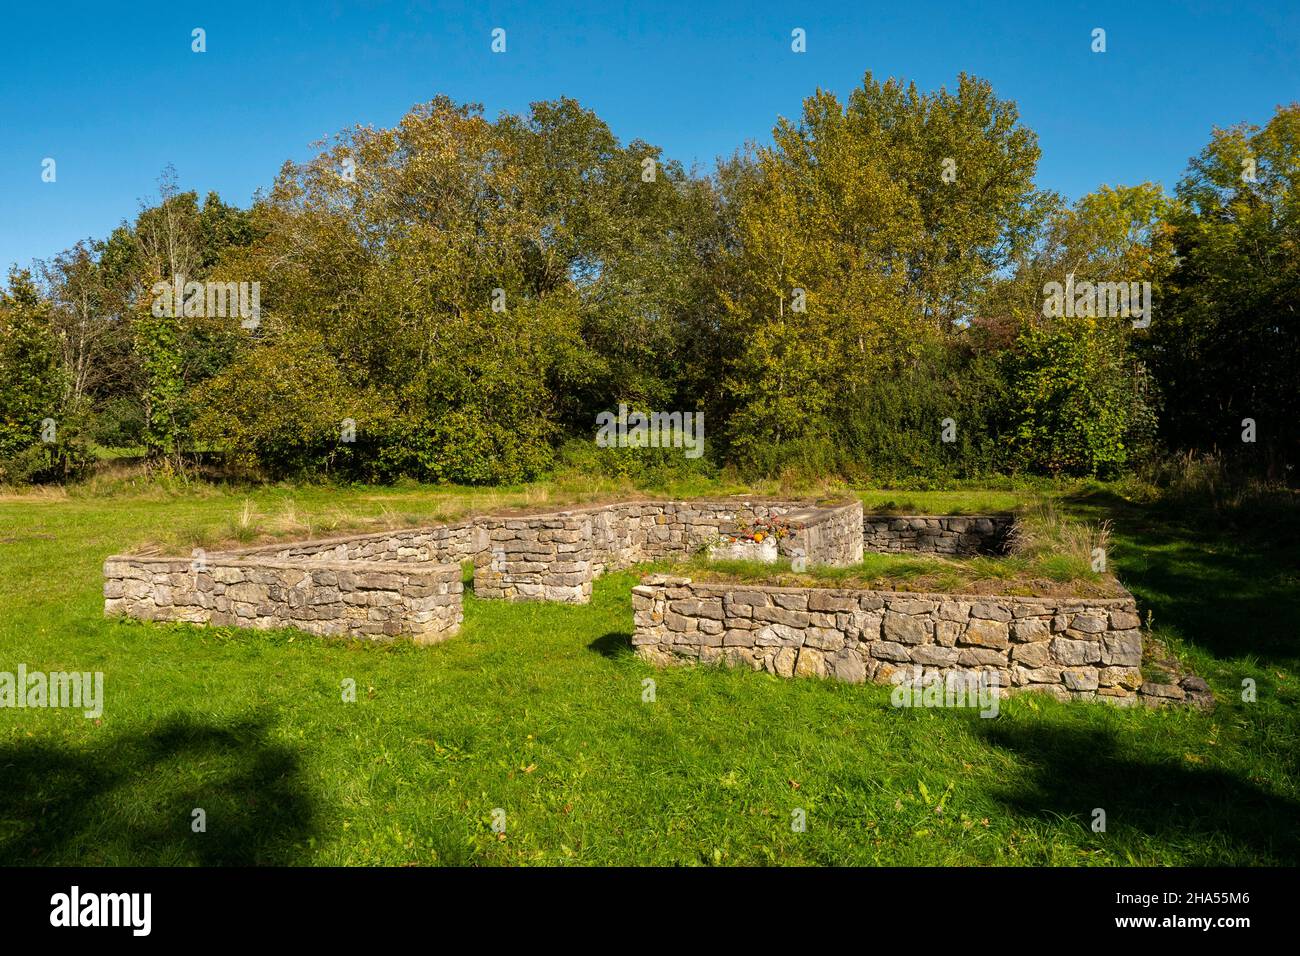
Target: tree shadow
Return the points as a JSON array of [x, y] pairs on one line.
[[613, 645], [1225, 584], [131, 799], [1073, 771]]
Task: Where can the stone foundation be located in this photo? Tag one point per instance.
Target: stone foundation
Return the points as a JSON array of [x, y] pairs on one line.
[[627, 534], [551, 557], [363, 599], [444, 544], [937, 534], [544, 558], [619, 535], [1086, 648], [408, 581]]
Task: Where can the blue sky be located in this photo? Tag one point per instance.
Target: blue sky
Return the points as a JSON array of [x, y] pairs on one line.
[[115, 95]]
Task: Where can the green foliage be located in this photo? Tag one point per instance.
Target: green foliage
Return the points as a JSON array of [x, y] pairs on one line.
[[481, 289], [851, 206], [280, 409], [645, 467], [465, 447], [30, 374], [119, 423], [33, 384], [1076, 396], [157, 344], [1227, 344]]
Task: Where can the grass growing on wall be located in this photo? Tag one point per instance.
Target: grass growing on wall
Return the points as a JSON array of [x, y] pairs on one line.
[[538, 710]]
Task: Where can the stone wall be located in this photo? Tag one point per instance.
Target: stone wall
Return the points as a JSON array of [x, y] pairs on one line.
[[626, 534], [622, 534], [831, 535], [937, 534], [555, 557], [406, 581], [441, 544], [1070, 648], [364, 599], [541, 558]]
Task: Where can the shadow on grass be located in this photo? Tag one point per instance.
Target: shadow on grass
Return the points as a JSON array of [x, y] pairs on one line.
[[1225, 583], [1074, 771], [613, 645], [130, 799]]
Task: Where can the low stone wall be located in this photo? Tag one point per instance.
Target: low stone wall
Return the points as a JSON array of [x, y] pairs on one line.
[[555, 557], [443, 544], [626, 534], [543, 558], [937, 534], [831, 535], [364, 599], [621, 535], [1071, 648], [406, 581]]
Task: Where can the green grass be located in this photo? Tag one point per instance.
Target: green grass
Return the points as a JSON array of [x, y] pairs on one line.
[[1055, 575], [538, 710]]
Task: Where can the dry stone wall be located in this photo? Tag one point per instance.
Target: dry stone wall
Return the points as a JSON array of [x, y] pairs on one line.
[[621, 534], [546, 558], [363, 599], [553, 557], [937, 534], [831, 536], [440, 544], [626, 534], [407, 581], [556, 557], [1071, 648]]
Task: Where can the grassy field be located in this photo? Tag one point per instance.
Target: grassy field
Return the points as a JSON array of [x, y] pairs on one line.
[[538, 710]]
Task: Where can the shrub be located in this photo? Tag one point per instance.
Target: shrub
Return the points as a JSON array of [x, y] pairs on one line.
[[119, 423], [280, 408], [1077, 396]]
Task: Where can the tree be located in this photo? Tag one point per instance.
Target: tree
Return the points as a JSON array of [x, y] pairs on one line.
[[856, 250], [1228, 344], [32, 386]]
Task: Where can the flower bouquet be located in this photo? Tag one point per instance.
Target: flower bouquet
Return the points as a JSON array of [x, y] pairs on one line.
[[759, 542]]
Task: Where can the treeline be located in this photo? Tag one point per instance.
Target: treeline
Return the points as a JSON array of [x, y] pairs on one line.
[[869, 295]]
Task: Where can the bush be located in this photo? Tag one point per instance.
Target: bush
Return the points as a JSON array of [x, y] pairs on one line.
[[1079, 398], [119, 424], [280, 409], [892, 427], [462, 446], [646, 467]]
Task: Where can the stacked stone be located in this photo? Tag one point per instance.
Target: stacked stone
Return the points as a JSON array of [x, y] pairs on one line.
[[944, 534], [651, 531], [622, 534], [540, 558], [647, 531], [1070, 648], [442, 544], [830, 535], [363, 599]]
